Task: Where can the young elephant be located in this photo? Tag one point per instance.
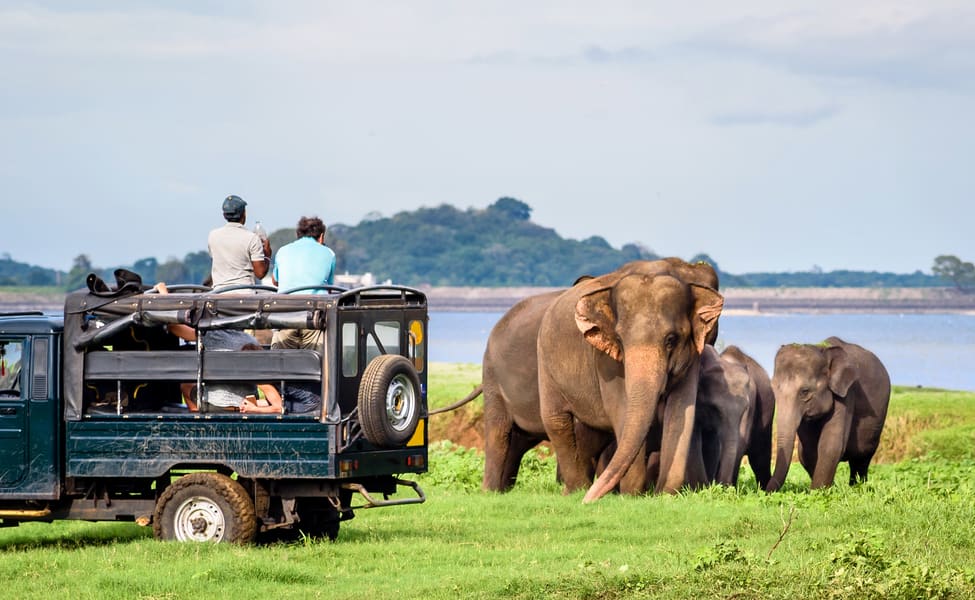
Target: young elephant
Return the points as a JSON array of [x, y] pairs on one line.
[[722, 425], [759, 443], [723, 421], [834, 396]]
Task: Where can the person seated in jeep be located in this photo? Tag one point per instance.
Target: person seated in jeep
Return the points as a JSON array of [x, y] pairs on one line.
[[299, 397]]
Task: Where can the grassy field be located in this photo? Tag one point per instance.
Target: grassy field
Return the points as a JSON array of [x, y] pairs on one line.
[[907, 533]]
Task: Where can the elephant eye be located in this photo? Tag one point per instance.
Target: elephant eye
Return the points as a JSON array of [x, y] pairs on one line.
[[804, 393], [670, 342]]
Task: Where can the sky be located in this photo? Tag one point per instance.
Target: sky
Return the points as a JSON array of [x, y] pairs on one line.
[[771, 135]]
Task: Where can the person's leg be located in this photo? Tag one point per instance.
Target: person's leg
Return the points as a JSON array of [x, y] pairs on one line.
[[188, 390], [286, 338]]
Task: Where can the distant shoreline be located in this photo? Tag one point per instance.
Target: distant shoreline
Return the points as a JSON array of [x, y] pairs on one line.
[[737, 300], [743, 300]]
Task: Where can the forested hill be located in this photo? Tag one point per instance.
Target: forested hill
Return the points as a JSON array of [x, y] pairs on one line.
[[501, 246], [494, 246]]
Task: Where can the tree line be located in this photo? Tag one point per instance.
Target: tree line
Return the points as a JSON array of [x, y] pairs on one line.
[[494, 246]]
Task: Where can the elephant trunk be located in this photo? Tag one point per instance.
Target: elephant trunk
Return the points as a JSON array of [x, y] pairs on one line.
[[787, 424], [643, 392], [730, 457]]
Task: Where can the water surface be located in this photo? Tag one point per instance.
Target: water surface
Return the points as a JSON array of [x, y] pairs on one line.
[[930, 350]]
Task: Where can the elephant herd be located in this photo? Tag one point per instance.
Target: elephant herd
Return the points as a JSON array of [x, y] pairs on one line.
[[620, 374]]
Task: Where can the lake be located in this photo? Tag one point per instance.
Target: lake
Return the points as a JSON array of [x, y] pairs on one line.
[[930, 350]]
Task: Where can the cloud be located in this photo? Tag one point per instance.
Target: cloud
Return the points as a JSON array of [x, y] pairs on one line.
[[928, 45], [598, 54], [911, 42], [795, 118]]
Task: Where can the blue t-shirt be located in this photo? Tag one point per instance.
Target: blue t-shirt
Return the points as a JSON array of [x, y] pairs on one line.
[[304, 262]]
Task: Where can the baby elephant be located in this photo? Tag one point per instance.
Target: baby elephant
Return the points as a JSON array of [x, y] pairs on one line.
[[834, 396]]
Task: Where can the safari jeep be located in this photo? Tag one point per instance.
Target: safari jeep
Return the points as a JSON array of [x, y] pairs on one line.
[[93, 424]]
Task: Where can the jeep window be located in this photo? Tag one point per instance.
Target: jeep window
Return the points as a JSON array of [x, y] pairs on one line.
[[383, 340], [350, 350], [39, 369], [11, 353]]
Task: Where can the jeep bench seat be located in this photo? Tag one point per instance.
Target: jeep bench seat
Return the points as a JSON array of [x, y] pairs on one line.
[[218, 365]]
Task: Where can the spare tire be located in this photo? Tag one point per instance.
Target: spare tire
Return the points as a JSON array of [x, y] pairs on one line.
[[389, 401]]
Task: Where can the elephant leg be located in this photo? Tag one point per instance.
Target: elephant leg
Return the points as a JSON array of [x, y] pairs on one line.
[[634, 481], [653, 466], [560, 426], [808, 447], [498, 427], [832, 446], [675, 445], [591, 443], [518, 444], [653, 450], [760, 456], [858, 469], [574, 468], [697, 475]]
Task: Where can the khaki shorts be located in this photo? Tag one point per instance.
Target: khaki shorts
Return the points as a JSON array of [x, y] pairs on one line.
[[297, 338]]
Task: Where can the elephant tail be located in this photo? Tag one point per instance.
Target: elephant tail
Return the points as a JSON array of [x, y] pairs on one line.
[[474, 394]]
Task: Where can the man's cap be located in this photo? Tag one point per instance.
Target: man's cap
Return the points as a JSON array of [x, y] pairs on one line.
[[233, 207]]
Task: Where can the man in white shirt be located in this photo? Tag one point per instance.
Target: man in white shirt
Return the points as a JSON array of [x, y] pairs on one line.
[[239, 256]]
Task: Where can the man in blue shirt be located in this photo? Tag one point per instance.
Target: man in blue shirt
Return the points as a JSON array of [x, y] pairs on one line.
[[306, 261]]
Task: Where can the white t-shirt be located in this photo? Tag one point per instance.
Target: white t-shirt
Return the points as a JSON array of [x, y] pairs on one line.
[[234, 249]]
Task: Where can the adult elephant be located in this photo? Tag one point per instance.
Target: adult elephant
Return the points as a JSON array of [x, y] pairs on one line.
[[759, 444], [509, 376], [832, 396], [512, 418], [641, 339]]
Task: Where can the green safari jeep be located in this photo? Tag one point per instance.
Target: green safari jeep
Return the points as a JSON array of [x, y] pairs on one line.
[[95, 424]]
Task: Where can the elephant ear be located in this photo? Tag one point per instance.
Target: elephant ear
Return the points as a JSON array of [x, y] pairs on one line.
[[842, 371], [707, 308], [596, 320]]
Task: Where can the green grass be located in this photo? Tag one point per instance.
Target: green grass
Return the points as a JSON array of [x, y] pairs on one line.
[[452, 381], [928, 422], [907, 533], [40, 290]]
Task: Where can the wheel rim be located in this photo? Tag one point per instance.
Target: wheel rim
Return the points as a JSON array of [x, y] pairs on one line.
[[400, 402], [199, 519]]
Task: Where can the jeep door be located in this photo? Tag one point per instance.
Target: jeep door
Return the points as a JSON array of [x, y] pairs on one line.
[[13, 413]]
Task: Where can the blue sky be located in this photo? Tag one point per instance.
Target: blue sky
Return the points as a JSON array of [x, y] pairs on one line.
[[775, 136]]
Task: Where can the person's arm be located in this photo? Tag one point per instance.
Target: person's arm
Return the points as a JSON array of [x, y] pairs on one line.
[[184, 332], [262, 265], [273, 397], [331, 269], [181, 331]]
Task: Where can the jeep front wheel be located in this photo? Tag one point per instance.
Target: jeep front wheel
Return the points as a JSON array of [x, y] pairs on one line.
[[205, 507], [389, 401]]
